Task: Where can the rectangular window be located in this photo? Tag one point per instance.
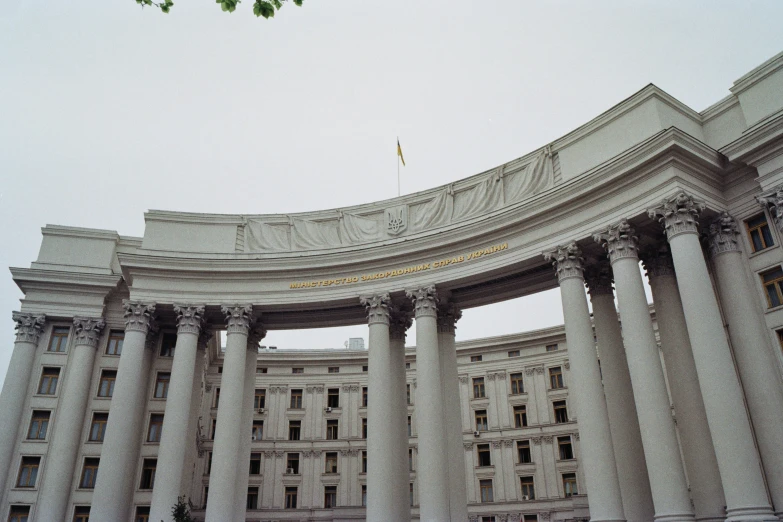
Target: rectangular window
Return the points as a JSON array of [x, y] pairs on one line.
[[364, 428], [332, 429], [89, 473], [217, 398], [364, 396], [408, 394], [759, 232], [410, 492], [520, 416], [410, 459], [523, 451], [410, 428], [294, 429], [489, 518], [333, 397], [156, 427], [261, 370], [114, 346], [513, 353], [569, 484], [486, 490], [551, 347], [481, 420], [475, 358], [773, 286], [566, 450], [530, 518], [555, 378], [252, 497], [49, 378], [148, 474], [561, 412], [528, 489], [334, 369], [297, 370], [162, 385], [407, 366], [364, 462], [39, 424], [478, 388], [260, 399], [59, 339], [214, 429], [28, 472], [364, 368], [780, 338], [81, 514], [167, 345], [106, 384], [19, 514], [364, 495], [206, 496], [330, 496], [98, 426], [517, 386], [255, 464], [331, 462], [484, 455], [258, 430], [296, 399], [290, 497], [209, 463], [143, 513]]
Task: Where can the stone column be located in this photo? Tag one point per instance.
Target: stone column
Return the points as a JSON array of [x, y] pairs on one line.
[[400, 322], [113, 494], [448, 316], [623, 421], [385, 490], [464, 392], [246, 428], [659, 438], [470, 463], [16, 385], [433, 463], [228, 432], [64, 447], [753, 354], [603, 485], [740, 470], [691, 418], [174, 438]]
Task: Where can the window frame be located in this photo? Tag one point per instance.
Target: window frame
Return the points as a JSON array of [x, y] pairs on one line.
[[93, 468], [569, 478], [156, 419], [297, 427], [330, 496], [776, 284], [486, 493], [108, 377], [119, 337], [290, 495], [333, 396], [37, 417], [524, 483], [148, 473], [481, 451], [481, 415], [565, 446], [523, 445], [103, 422], [62, 340], [29, 465], [331, 456], [163, 383], [564, 408], [517, 382], [479, 385], [332, 429], [297, 397], [48, 372], [556, 380], [759, 229], [520, 415]]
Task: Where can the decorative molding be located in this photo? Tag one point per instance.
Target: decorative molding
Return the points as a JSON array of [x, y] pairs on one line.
[[207, 387], [468, 446], [657, 261], [205, 336], [254, 336], [190, 318], [448, 315], [497, 443], [200, 438], [425, 301], [576, 435], [501, 376], [279, 454], [508, 443], [346, 388], [536, 441], [723, 235], [530, 371], [151, 341], [544, 516], [28, 327], [399, 322], [269, 454], [773, 202], [139, 317], [354, 387], [619, 241], [88, 330], [539, 369], [463, 379], [547, 439], [567, 364], [567, 260], [377, 308], [678, 214], [239, 318], [491, 376], [599, 278]]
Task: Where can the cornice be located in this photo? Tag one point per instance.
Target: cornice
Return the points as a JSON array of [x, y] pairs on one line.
[[716, 109], [28, 278], [77, 232], [762, 138], [757, 74]]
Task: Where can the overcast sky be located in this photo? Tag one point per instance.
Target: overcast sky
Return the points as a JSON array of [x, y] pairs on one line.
[[107, 110]]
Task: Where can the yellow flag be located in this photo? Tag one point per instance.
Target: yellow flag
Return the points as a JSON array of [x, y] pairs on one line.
[[399, 152]]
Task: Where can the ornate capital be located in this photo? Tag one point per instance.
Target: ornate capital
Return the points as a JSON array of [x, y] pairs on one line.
[[599, 278], [448, 315], [567, 364], [576, 435], [540, 369], [678, 214], [399, 322], [463, 379], [497, 443], [28, 326], [205, 335], [254, 336], [567, 261], [151, 341], [425, 301], [722, 236], [139, 317], [238, 318], [536, 441], [658, 262], [619, 241], [279, 454], [774, 204], [377, 308], [490, 376], [88, 330], [547, 439], [530, 371], [190, 318], [508, 443], [468, 446]]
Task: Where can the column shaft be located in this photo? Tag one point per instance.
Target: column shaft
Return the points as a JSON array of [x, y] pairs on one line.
[[623, 420], [245, 432], [603, 486], [399, 324], [67, 433], [114, 487]]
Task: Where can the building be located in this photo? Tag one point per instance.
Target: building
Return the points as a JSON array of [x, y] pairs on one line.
[[111, 407]]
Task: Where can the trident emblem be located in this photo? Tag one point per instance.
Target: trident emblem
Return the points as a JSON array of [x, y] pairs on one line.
[[396, 219]]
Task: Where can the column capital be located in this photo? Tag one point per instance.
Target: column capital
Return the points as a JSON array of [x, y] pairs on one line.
[[205, 335], [399, 322], [678, 214], [239, 318], [88, 330], [28, 326], [722, 235], [448, 315], [619, 241], [773, 202], [139, 316], [599, 279], [567, 260], [254, 336], [425, 301], [190, 318], [658, 262], [377, 307]]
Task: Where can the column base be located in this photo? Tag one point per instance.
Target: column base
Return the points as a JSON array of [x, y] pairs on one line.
[[710, 519], [675, 517], [607, 520], [751, 514]]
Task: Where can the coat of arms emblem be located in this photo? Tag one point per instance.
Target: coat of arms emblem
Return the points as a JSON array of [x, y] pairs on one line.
[[396, 219]]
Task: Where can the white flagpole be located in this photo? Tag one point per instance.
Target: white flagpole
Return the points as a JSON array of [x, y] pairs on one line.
[[398, 166]]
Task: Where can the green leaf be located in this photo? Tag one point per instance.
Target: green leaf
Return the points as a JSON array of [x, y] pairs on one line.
[[298, 2], [277, 3], [263, 8]]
